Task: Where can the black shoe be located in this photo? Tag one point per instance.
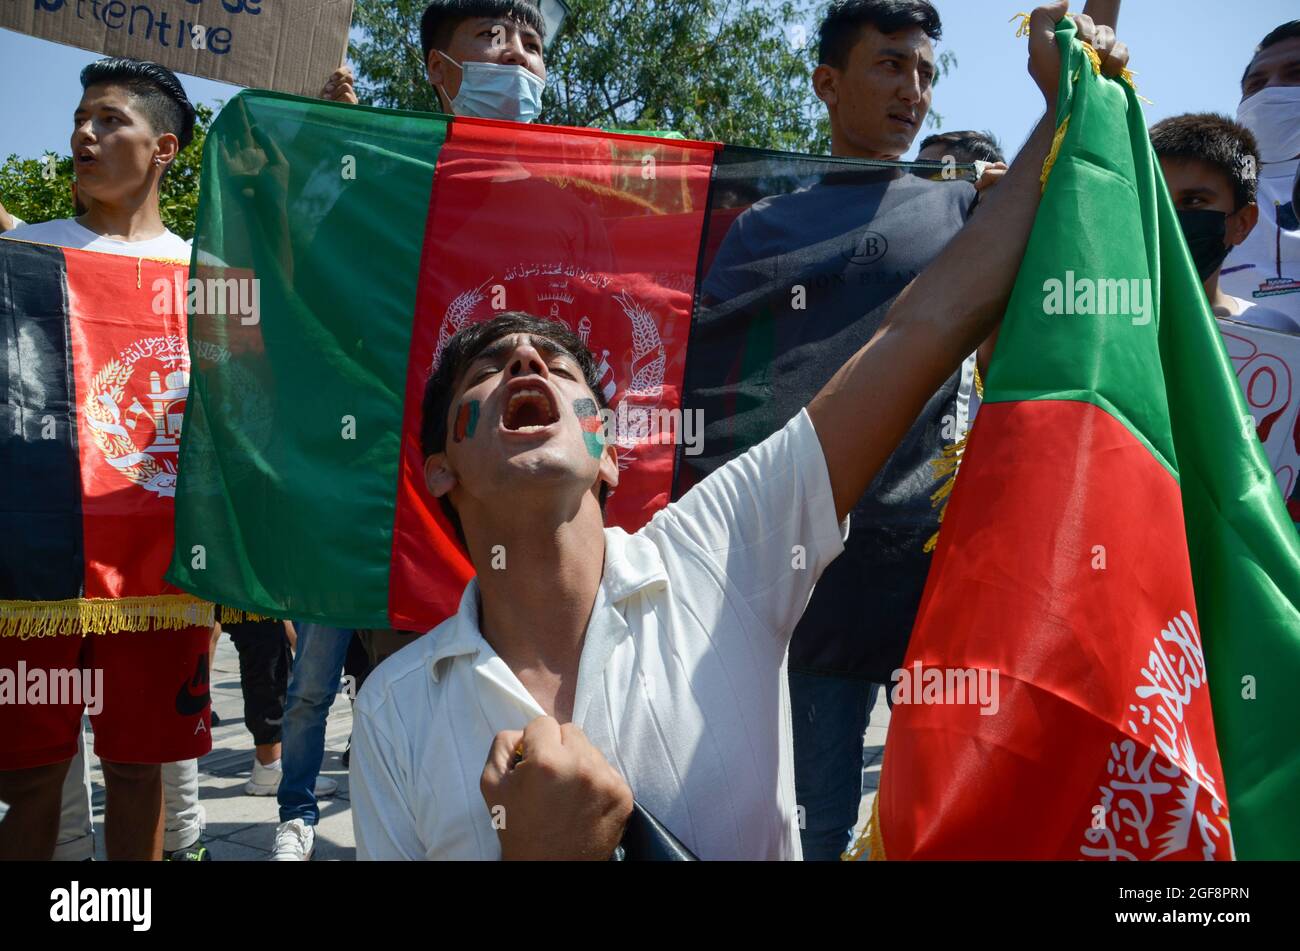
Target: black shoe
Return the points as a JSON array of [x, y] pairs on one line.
[[216, 720], [347, 753], [198, 852]]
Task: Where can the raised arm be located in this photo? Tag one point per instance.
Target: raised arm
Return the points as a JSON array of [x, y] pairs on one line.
[[870, 403], [1103, 12]]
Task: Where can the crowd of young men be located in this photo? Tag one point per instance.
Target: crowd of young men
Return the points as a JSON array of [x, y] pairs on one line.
[[600, 665]]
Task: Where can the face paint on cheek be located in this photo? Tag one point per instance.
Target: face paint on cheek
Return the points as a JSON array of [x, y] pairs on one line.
[[593, 432], [466, 421]]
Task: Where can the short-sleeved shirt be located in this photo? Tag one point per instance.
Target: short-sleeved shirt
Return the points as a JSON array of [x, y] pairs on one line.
[[681, 684], [69, 233]]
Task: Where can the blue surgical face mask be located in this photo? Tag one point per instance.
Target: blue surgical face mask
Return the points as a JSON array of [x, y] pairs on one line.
[[497, 91]]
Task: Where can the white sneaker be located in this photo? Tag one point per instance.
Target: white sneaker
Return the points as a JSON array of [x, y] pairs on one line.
[[266, 782], [295, 841]]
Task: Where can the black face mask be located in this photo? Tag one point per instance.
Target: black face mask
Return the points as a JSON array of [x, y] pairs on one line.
[[1205, 232]]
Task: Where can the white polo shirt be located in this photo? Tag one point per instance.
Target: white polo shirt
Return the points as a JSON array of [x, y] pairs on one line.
[[681, 684]]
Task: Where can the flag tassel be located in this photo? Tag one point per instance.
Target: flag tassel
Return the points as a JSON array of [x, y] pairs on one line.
[[26, 619], [169, 612], [870, 844]]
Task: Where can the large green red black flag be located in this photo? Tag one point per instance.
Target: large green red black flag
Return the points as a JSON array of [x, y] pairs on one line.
[[96, 373], [374, 235], [1116, 553]]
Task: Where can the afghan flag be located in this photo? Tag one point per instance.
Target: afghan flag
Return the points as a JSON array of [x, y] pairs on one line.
[[372, 236], [96, 376], [1116, 558]]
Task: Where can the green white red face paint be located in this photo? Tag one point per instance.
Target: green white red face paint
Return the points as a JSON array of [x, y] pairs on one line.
[[593, 429], [466, 421]]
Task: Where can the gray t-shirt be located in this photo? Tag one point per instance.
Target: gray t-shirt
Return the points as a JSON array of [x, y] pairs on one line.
[[851, 241]]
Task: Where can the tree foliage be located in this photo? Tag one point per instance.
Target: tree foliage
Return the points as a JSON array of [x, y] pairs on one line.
[[731, 70], [736, 71], [40, 189]]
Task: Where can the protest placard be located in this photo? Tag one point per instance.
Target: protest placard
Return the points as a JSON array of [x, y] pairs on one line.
[[288, 45], [1267, 363]]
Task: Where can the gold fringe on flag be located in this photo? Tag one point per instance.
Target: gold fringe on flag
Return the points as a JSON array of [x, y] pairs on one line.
[[1056, 150], [171, 612], [870, 845], [25, 619], [236, 616], [945, 467], [1095, 59], [1125, 74]]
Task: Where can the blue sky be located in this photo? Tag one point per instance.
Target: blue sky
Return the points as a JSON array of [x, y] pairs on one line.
[[1186, 61]]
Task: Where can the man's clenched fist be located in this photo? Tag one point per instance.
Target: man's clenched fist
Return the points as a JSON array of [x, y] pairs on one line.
[[340, 87], [562, 800], [1045, 56]]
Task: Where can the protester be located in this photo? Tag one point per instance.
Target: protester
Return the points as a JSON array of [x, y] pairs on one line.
[[964, 147], [75, 841], [875, 76], [184, 817], [264, 665], [1209, 163], [131, 123], [485, 58], [313, 685], [660, 652], [1265, 267]]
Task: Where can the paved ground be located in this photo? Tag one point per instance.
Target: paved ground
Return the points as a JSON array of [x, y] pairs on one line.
[[240, 826]]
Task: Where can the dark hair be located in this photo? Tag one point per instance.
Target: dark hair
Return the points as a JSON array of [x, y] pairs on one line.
[[443, 16], [155, 88], [1227, 145], [973, 146], [461, 351], [1287, 31], [845, 19]]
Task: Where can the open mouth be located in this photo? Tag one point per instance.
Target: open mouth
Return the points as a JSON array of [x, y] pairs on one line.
[[530, 408], [85, 158]]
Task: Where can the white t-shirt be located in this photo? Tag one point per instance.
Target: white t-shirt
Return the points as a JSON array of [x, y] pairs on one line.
[[68, 233], [681, 684], [1265, 268]]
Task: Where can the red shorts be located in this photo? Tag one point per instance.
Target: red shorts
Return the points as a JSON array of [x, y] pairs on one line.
[[146, 693]]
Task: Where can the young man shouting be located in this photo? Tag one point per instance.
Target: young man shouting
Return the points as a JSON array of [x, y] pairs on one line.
[[484, 58], [593, 663], [131, 123]]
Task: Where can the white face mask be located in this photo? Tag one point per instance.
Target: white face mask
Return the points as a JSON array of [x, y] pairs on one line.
[[497, 91], [1273, 115]]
